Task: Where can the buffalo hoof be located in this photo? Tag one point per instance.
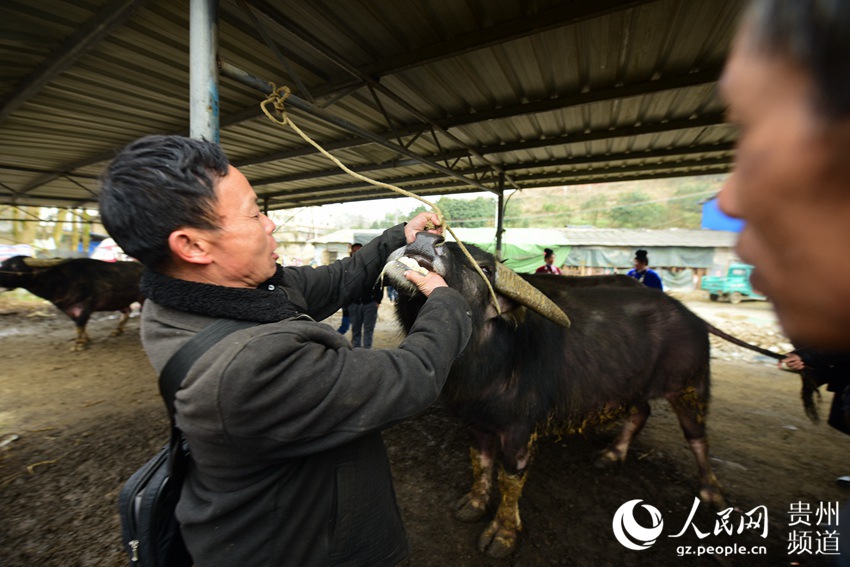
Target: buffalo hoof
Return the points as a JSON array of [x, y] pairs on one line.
[[76, 347], [713, 496], [607, 459], [116, 333], [470, 509], [497, 541]]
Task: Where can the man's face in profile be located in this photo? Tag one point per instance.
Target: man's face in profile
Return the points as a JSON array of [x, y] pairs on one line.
[[791, 184]]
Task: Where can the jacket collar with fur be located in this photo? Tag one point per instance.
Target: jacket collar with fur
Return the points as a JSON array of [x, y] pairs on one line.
[[267, 303]]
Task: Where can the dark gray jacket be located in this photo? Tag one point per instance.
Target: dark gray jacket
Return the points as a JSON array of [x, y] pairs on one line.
[[284, 419]]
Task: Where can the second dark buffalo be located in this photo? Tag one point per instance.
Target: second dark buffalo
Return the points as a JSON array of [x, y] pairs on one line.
[[78, 287]]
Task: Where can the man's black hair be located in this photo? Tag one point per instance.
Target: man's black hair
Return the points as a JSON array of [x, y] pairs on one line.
[[155, 186]]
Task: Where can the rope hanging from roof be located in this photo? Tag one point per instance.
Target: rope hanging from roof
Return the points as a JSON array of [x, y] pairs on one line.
[[277, 100]]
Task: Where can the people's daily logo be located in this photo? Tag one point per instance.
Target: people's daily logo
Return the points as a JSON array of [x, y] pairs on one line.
[[813, 529], [630, 533]]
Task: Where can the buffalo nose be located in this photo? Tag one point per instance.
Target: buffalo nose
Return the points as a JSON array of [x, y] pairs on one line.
[[425, 244]]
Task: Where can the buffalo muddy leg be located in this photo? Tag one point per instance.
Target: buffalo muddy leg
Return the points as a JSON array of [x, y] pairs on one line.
[[125, 316], [482, 453], [82, 339], [617, 451], [499, 539], [691, 408]]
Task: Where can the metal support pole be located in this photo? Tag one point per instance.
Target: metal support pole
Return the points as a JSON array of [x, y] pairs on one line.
[[500, 215], [203, 70]]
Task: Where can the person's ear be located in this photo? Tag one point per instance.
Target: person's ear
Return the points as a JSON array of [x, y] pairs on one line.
[[190, 245]]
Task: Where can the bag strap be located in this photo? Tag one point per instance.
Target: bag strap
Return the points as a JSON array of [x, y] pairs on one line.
[[180, 362], [178, 366], [176, 369]]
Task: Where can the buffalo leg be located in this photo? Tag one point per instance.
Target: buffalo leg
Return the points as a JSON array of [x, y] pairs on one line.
[[125, 316], [80, 316], [691, 408], [482, 453], [82, 339], [499, 539], [617, 451]]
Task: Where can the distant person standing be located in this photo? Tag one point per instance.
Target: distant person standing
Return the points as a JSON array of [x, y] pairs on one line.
[[363, 313], [642, 273], [549, 263]]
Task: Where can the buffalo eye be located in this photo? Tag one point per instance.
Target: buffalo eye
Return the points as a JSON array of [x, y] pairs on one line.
[[488, 271]]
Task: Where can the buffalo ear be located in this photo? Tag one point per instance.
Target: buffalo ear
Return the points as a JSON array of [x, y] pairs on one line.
[[506, 304], [515, 315]]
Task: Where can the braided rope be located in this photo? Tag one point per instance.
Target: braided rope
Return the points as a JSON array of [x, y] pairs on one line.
[[277, 99]]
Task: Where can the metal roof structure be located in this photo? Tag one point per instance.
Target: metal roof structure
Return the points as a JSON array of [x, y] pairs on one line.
[[454, 95]]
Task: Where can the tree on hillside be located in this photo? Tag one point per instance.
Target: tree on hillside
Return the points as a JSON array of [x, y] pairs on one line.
[[594, 207], [633, 211], [514, 217], [685, 207], [464, 213], [394, 218]]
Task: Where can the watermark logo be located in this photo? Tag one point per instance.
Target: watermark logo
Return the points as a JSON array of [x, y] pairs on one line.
[[630, 533], [813, 529]]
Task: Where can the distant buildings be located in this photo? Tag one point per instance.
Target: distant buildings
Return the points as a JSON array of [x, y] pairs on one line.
[[680, 256]]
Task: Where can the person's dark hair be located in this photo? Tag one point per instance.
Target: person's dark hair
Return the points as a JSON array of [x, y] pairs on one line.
[[813, 34], [155, 186], [547, 252], [641, 256]]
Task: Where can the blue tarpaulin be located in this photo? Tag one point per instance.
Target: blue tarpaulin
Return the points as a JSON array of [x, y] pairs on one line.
[[715, 219]]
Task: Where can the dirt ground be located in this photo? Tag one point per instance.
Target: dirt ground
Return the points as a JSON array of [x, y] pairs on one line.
[[75, 425]]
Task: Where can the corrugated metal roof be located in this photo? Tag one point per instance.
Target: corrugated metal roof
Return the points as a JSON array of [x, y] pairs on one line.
[[551, 92]]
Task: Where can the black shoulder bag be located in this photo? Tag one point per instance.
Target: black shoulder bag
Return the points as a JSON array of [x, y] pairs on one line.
[[149, 530]]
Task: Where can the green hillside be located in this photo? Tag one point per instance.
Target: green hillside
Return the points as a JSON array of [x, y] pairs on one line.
[[661, 203]]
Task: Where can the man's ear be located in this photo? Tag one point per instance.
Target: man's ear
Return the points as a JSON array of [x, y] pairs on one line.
[[189, 245]]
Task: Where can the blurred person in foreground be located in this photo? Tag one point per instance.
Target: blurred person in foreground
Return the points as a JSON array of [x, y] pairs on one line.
[[787, 86], [283, 419]]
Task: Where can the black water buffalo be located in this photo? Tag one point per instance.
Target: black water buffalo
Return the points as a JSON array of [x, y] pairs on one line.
[[78, 287], [523, 375]]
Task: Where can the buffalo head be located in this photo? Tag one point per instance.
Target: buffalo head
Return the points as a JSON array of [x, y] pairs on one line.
[[12, 270], [17, 271], [431, 252]]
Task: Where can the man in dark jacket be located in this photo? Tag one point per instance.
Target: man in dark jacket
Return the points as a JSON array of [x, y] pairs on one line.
[[283, 419]]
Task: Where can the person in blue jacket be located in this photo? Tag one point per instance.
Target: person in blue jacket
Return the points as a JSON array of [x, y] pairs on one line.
[[642, 273]]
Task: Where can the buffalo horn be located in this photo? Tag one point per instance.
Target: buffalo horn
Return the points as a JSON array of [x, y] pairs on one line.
[[36, 263], [510, 284]]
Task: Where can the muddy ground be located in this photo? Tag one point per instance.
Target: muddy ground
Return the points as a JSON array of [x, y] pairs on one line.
[[75, 425]]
